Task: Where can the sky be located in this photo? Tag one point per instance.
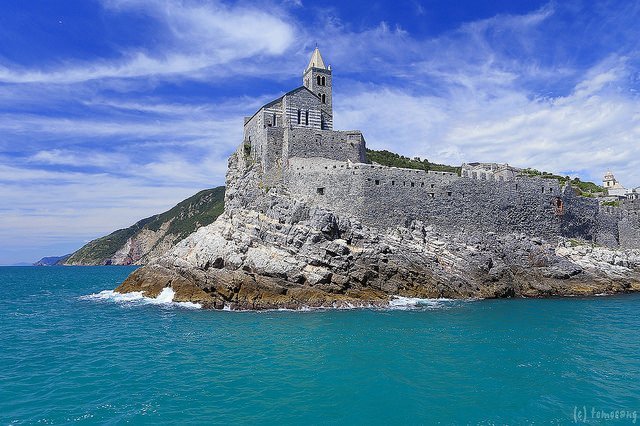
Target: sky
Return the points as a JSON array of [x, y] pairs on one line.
[[115, 110]]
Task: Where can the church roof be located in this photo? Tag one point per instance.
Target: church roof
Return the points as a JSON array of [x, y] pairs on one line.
[[316, 61]]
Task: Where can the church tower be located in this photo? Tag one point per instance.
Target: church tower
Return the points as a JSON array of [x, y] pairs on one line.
[[317, 78]]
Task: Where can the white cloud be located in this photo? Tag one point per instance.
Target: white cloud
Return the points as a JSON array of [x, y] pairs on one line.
[[203, 36], [593, 128]]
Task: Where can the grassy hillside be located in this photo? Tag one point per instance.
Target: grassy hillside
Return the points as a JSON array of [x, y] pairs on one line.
[[188, 215], [584, 188], [391, 159]]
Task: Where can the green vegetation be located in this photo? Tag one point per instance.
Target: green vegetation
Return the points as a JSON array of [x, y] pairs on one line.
[[187, 216], [585, 189], [611, 203], [391, 159]]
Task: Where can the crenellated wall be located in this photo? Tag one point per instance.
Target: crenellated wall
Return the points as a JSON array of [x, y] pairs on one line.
[[390, 197]]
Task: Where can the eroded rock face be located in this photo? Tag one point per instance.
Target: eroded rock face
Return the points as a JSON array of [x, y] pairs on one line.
[[269, 250], [291, 255]]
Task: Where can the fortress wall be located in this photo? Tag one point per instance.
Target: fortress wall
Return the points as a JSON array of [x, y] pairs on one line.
[[630, 204], [389, 197], [325, 183], [619, 226], [385, 197], [579, 215], [326, 144], [460, 204], [629, 231]]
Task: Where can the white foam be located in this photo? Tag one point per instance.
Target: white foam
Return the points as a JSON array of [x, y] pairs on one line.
[[404, 303], [165, 298]]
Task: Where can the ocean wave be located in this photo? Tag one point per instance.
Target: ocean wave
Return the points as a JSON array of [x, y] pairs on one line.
[[165, 298]]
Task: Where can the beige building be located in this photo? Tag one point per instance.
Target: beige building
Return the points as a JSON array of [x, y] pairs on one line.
[[613, 187]]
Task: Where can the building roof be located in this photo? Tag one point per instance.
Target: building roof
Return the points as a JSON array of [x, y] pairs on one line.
[[316, 61]]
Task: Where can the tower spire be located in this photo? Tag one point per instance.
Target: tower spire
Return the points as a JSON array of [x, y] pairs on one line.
[[316, 60]]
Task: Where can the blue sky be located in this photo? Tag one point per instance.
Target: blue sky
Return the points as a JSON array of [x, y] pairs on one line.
[[114, 110]]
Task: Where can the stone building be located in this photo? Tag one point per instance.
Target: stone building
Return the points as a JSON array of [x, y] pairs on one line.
[[291, 141]]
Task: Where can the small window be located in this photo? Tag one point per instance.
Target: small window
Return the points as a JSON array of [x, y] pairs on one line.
[[412, 184], [320, 191], [299, 115], [275, 119], [324, 82], [393, 183], [449, 194], [306, 117], [324, 98], [319, 80], [422, 184], [377, 182]]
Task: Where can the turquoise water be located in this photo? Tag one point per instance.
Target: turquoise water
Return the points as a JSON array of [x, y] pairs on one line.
[[65, 358]]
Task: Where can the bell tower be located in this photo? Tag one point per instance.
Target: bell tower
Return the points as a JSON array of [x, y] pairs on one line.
[[317, 78]]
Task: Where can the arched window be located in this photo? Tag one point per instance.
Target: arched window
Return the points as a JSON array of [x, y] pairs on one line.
[[324, 98], [306, 117], [299, 114], [319, 81], [323, 81]]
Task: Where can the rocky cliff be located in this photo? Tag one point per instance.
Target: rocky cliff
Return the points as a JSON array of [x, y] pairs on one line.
[[153, 236], [270, 250]]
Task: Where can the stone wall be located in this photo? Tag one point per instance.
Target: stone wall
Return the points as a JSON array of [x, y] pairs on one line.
[[630, 204], [389, 197], [619, 227], [326, 144]]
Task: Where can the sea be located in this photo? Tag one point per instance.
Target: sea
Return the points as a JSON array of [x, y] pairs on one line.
[[74, 352]]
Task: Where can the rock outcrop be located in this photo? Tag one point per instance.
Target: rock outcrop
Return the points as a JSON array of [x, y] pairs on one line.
[[270, 251]]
